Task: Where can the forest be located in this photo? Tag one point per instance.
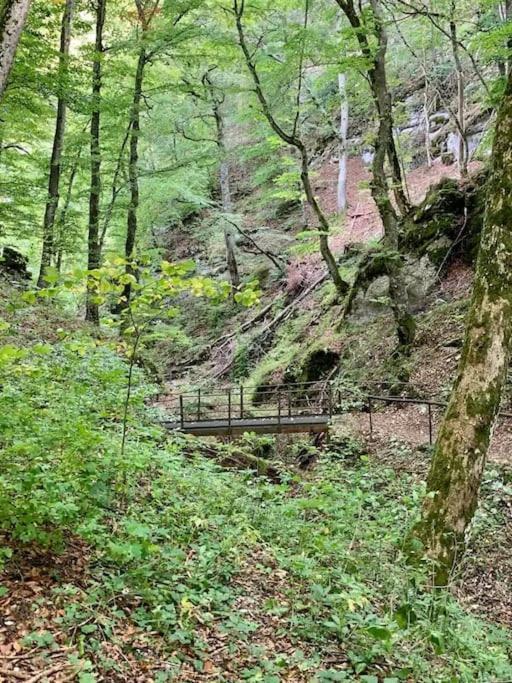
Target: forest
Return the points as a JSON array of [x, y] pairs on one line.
[[255, 331]]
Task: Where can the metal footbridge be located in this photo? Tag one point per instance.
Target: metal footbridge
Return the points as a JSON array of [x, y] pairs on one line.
[[273, 409]]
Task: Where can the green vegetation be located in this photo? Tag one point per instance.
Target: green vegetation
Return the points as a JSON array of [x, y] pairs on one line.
[[168, 537], [231, 211]]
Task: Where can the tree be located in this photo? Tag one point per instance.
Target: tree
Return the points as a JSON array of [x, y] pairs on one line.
[[58, 144], [293, 139], [94, 248], [13, 15], [217, 98], [145, 12], [343, 151], [461, 449], [377, 77], [384, 148]]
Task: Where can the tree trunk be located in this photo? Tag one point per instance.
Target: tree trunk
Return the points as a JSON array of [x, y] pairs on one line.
[[133, 172], [461, 449], [384, 148], [61, 220], [343, 151], [225, 192], [342, 287], [462, 159], [293, 140], [426, 113], [13, 15], [94, 250], [58, 144]]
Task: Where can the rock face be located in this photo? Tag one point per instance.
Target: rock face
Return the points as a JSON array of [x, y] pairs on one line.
[[13, 266], [444, 227], [420, 278]]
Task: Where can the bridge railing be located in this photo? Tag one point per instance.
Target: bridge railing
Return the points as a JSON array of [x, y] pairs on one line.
[[249, 402]]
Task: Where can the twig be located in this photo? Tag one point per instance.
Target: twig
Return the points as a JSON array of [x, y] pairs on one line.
[[52, 670], [12, 674], [26, 655]]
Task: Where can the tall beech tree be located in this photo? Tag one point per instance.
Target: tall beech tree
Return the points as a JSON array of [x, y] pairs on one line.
[[461, 449], [13, 15], [58, 144], [146, 11], [94, 248], [293, 139]]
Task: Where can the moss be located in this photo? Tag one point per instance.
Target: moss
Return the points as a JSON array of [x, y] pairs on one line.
[[435, 227]]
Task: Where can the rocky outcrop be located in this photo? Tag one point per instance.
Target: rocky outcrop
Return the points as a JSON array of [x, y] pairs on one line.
[[14, 266], [444, 227]]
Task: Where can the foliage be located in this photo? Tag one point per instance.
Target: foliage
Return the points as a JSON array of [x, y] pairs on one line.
[[337, 538]]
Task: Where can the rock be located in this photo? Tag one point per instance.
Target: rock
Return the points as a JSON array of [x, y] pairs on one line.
[[420, 278], [438, 118], [373, 302], [452, 145], [438, 249], [367, 157], [14, 266]]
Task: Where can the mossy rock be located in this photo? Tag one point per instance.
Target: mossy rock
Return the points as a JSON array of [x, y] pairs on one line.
[[448, 222], [439, 214]]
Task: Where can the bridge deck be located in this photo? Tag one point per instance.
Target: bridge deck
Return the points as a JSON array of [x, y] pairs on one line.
[[262, 425]]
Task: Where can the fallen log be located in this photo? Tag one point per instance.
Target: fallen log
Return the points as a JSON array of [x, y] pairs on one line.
[[279, 318], [235, 458]]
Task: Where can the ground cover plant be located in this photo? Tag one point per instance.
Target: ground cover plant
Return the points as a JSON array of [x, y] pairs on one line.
[[170, 548]]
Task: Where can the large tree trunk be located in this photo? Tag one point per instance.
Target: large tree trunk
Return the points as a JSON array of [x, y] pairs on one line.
[[13, 15], [343, 151], [133, 171], [461, 449], [58, 144], [94, 250]]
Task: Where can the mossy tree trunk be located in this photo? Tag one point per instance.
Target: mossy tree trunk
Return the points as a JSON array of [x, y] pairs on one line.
[[461, 449], [385, 149]]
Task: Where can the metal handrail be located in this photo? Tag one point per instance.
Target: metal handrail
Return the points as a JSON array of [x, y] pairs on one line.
[[322, 404]]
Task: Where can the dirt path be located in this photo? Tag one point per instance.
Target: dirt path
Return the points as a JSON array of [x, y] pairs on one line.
[[409, 424]]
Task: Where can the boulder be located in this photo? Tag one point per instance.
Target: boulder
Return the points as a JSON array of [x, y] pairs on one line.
[[14, 266], [420, 278]]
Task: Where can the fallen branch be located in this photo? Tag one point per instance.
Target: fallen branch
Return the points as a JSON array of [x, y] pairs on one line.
[[280, 317], [48, 672], [236, 459], [10, 674], [276, 260]]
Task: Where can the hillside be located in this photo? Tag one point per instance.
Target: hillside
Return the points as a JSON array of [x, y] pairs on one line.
[[255, 337]]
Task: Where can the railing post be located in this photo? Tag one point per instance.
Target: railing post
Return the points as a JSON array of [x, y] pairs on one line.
[[370, 414], [430, 439], [199, 405], [330, 400], [278, 411], [182, 416], [229, 411], [241, 401], [289, 403]]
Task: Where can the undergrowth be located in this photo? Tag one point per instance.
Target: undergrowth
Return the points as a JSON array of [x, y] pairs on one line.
[[168, 536]]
